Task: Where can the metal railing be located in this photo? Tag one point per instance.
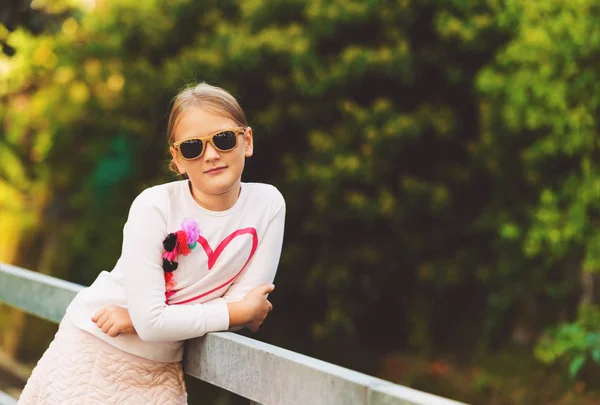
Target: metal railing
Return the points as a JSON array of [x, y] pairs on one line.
[[267, 374]]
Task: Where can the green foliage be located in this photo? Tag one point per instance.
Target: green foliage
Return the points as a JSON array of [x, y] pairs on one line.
[[543, 92], [439, 159], [576, 343], [22, 14], [539, 146]]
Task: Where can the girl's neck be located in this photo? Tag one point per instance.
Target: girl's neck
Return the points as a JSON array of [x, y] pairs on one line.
[[216, 202]]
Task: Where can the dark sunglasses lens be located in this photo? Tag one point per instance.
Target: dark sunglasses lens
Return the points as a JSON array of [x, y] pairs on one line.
[[191, 149], [225, 140]]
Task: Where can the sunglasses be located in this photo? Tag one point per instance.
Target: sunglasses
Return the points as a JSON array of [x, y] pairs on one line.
[[223, 141]]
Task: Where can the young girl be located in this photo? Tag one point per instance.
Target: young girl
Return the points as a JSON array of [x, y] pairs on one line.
[[199, 255]]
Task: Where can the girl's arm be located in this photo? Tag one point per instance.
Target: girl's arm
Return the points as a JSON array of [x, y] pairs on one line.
[[253, 310]]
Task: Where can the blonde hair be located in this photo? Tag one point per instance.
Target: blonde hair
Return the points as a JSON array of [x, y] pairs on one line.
[[203, 95]]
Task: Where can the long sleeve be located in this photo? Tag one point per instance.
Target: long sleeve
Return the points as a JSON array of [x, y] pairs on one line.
[[263, 266], [143, 275]]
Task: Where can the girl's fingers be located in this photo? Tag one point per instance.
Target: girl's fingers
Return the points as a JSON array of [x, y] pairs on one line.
[[102, 320], [98, 314], [114, 331], [107, 325]]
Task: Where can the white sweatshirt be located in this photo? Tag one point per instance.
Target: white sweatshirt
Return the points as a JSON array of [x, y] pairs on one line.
[[237, 250]]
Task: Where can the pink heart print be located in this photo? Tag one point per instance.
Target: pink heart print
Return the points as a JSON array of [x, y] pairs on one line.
[[213, 256]]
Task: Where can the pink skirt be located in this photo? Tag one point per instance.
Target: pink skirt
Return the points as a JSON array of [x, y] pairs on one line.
[[80, 369]]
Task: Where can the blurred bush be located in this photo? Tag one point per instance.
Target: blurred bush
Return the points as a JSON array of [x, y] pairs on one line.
[[439, 159]]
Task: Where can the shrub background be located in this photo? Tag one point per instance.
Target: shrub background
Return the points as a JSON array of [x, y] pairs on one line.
[[440, 162]]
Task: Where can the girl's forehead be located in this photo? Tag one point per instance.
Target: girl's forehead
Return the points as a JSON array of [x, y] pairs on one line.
[[196, 121]]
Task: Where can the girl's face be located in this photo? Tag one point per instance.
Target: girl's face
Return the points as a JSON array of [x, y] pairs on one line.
[[215, 172]]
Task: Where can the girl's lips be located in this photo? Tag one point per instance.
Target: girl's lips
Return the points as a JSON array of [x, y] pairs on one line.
[[215, 170]]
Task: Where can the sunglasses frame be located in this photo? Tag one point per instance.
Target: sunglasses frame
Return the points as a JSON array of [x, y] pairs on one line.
[[209, 139]]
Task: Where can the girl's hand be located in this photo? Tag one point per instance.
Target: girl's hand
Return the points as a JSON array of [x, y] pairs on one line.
[[114, 320], [258, 305]]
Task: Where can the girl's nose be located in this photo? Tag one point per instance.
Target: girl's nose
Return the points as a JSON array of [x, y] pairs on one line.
[[211, 153]]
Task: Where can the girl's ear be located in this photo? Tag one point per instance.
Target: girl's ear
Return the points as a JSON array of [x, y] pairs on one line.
[[177, 160], [248, 137]]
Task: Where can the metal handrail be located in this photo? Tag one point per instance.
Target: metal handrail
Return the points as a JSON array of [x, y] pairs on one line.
[[268, 374]]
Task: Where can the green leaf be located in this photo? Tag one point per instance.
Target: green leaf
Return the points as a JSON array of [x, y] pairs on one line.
[[576, 365]]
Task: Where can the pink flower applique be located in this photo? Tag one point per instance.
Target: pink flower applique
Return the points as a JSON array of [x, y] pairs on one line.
[[178, 243]]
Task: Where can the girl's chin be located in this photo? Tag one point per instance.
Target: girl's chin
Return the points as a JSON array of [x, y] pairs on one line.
[[217, 188]]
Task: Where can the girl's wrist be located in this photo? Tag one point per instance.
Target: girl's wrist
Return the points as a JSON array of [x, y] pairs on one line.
[[239, 314]]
